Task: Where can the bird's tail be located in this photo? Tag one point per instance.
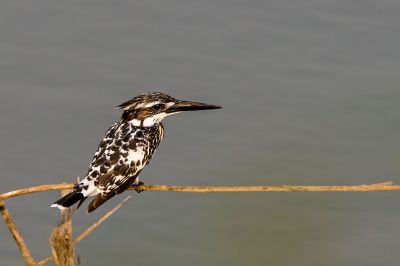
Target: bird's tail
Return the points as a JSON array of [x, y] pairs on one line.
[[69, 200], [99, 200]]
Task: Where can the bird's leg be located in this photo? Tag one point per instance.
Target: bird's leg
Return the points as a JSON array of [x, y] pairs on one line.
[[137, 186]]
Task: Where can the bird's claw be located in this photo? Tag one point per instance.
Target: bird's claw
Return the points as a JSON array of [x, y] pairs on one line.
[[138, 187]]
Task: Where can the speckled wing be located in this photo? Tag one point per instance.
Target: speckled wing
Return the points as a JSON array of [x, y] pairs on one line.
[[118, 158], [122, 154]]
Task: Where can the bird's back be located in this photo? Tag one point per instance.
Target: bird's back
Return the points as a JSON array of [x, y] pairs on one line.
[[121, 155]]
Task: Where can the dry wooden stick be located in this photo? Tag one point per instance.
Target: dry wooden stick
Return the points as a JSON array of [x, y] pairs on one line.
[[100, 221], [29, 190], [16, 235], [89, 230], [385, 186], [44, 261], [60, 240]]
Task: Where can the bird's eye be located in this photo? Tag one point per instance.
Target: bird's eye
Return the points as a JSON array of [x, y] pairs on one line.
[[158, 106]]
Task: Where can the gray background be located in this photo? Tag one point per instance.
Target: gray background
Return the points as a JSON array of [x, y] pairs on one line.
[[310, 91]]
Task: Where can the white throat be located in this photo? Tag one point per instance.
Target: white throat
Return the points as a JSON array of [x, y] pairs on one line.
[[135, 122], [149, 121]]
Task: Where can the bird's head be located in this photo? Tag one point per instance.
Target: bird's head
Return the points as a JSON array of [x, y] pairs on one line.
[[151, 108]]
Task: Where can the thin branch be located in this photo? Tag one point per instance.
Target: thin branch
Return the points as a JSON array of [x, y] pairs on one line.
[[29, 190], [44, 261], [16, 235], [89, 230], [386, 186], [100, 221]]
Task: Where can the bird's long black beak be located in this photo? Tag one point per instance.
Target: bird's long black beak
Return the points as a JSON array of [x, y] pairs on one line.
[[190, 106]]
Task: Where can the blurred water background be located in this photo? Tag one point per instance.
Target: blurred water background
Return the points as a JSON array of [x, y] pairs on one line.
[[310, 91]]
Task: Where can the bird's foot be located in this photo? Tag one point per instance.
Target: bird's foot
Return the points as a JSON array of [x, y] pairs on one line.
[[138, 187]]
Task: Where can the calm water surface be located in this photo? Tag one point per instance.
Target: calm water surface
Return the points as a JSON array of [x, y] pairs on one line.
[[310, 91]]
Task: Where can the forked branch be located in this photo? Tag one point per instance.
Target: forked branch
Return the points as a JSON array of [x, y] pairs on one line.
[[386, 186]]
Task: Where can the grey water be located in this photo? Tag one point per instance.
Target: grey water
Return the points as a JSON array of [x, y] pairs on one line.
[[310, 91]]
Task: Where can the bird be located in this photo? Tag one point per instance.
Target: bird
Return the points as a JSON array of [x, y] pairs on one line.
[[127, 146]]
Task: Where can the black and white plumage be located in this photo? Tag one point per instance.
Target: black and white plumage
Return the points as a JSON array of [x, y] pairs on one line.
[[126, 148]]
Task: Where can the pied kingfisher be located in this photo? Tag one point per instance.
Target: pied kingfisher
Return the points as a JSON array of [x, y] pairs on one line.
[[126, 148]]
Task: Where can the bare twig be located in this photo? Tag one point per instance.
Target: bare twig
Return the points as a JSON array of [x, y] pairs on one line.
[[61, 238], [16, 235], [100, 221], [89, 230], [204, 189], [36, 189], [44, 261], [386, 186]]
